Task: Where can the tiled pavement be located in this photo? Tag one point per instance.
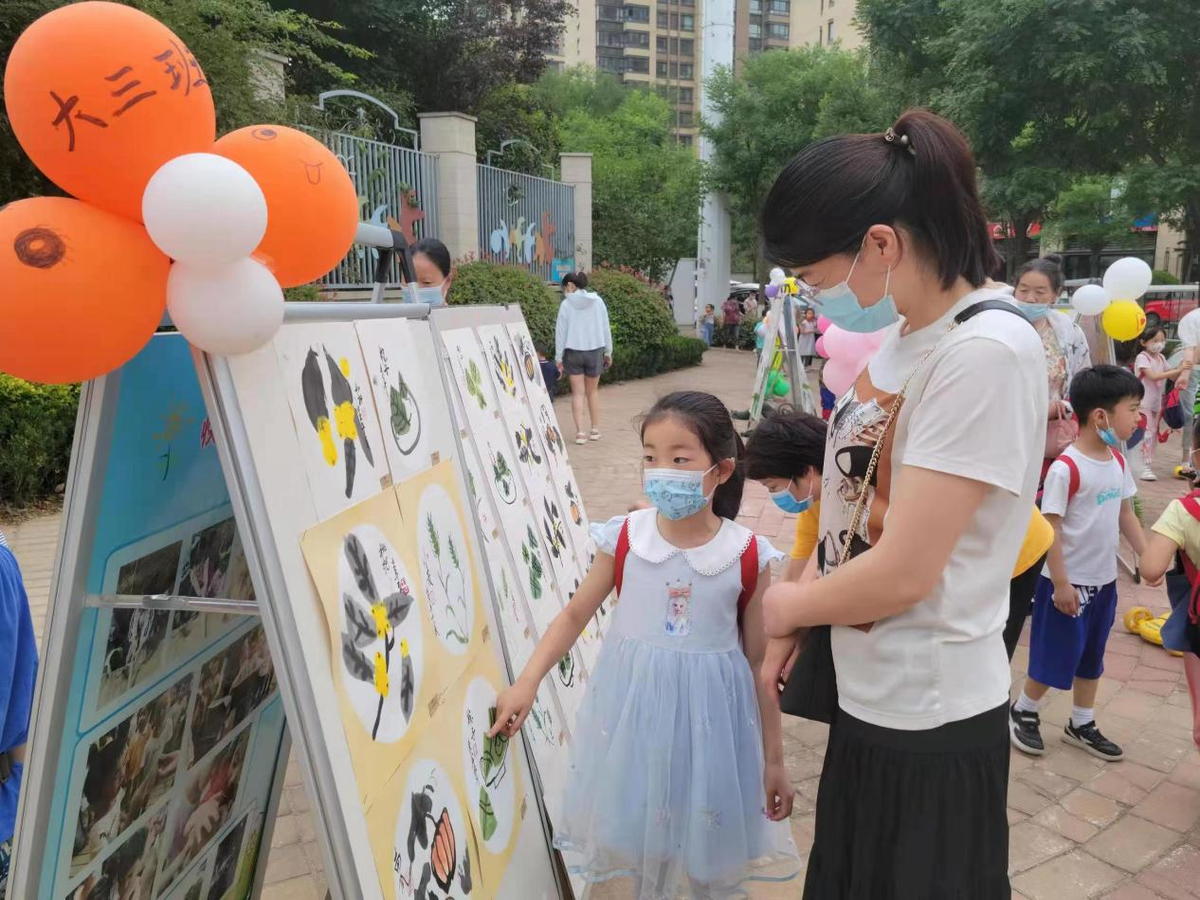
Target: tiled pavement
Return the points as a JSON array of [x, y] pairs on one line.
[[1080, 828]]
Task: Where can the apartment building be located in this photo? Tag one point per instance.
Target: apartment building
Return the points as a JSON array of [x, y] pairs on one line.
[[825, 22], [656, 43]]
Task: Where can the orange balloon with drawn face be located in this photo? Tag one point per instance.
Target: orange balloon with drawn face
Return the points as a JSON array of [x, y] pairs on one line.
[[81, 290], [312, 205], [100, 96]]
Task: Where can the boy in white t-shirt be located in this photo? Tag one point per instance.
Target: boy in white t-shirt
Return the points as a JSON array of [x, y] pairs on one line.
[[1087, 498]]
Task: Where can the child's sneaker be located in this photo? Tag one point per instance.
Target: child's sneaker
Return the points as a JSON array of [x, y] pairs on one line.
[[1025, 732], [1148, 474], [1089, 738]]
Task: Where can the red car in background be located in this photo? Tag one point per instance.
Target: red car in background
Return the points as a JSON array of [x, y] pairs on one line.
[[1166, 304]]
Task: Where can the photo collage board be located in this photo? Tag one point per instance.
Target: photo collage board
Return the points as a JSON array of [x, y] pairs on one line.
[[397, 569], [173, 729]]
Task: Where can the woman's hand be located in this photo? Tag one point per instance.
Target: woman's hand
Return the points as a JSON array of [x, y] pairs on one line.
[[780, 795], [560, 369], [778, 601], [1059, 409], [512, 708], [607, 362], [780, 657]]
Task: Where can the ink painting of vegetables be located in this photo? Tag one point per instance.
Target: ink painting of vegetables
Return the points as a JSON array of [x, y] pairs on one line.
[[435, 849], [445, 570], [490, 773]]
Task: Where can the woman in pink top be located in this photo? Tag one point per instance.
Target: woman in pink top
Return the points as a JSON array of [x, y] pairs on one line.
[[1151, 367]]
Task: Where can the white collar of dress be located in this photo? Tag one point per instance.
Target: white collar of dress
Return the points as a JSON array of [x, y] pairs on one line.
[[724, 550]]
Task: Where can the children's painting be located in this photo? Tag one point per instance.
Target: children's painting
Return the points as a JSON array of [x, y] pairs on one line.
[[490, 780], [436, 854], [409, 398], [334, 414], [206, 565], [129, 768], [381, 645], [531, 561], [446, 569], [526, 353], [469, 367], [501, 363]]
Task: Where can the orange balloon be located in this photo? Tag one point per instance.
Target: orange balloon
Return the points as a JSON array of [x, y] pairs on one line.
[[81, 290], [100, 96], [312, 206]]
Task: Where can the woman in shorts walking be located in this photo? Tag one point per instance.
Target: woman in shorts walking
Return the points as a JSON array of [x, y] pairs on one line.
[[583, 349]]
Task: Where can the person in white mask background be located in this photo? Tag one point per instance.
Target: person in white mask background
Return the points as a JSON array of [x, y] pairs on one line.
[[583, 349], [432, 273], [1151, 369], [931, 467], [1039, 282]]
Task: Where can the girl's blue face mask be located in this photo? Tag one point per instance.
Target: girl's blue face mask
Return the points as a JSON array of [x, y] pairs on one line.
[[787, 501], [676, 493], [841, 306]]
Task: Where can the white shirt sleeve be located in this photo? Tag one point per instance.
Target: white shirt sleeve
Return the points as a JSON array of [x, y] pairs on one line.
[[605, 535], [560, 332], [1056, 489], [767, 553], [973, 418]]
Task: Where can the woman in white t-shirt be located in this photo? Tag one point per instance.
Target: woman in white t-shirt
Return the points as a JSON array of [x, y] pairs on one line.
[[889, 229]]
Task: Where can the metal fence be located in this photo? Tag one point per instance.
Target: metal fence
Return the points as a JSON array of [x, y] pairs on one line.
[[526, 221], [383, 175]]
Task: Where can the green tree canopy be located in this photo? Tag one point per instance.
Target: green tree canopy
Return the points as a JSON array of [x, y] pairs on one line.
[[518, 112], [645, 188], [1093, 211], [775, 105]]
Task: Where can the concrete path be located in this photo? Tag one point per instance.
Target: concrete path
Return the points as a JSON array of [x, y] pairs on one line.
[[1080, 828]]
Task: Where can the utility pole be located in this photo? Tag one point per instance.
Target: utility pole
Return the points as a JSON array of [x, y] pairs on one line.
[[713, 252]]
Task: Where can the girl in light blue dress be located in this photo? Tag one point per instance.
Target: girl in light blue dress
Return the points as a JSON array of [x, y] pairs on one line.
[[676, 776]]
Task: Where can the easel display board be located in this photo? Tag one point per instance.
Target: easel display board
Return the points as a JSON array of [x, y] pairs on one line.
[[158, 743], [412, 515]]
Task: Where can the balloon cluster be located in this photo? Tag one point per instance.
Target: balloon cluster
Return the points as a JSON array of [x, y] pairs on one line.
[[1116, 301], [114, 109], [847, 353]]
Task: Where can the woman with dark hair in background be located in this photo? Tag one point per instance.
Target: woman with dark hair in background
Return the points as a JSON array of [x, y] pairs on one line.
[[1039, 282], [931, 468], [583, 349], [432, 272]]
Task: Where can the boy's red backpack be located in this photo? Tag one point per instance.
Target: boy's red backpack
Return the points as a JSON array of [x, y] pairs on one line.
[[1073, 471], [749, 569], [1181, 631]]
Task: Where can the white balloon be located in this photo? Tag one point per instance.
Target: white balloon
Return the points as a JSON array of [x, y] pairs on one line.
[[204, 208], [1090, 300], [1127, 278], [778, 276], [225, 310]]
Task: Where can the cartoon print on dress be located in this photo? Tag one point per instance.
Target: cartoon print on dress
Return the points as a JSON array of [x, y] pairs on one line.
[[679, 601], [346, 416]]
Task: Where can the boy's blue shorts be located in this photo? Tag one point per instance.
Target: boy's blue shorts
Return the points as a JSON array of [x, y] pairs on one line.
[[1063, 648]]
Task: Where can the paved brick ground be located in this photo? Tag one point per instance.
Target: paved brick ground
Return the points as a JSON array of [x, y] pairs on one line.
[[1080, 828]]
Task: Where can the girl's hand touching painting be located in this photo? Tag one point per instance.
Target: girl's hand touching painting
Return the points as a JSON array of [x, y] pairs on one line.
[[512, 708]]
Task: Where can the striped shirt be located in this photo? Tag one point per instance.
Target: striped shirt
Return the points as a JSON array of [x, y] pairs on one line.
[[3, 542]]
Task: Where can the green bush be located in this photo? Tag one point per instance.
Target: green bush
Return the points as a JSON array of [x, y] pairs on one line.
[[480, 282], [677, 353], [641, 322], [1161, 277], [37, 422]]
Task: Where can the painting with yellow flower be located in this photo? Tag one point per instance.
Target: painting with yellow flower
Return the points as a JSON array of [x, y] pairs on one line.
[[333, 413], [380, 634]]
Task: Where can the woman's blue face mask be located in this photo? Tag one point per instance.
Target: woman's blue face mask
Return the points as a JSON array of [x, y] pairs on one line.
[[841, 305]]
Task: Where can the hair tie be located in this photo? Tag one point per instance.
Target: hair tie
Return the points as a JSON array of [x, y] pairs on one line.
[[902, 139]]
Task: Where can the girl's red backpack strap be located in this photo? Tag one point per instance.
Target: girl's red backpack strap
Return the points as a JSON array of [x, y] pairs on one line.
[[749, 576], [1191, 503], [619, 556]]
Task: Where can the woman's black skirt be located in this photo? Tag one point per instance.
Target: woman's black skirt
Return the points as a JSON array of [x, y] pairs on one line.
[[913, 815]]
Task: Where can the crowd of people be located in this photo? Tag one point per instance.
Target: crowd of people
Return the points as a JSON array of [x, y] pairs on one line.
[[920, 553]]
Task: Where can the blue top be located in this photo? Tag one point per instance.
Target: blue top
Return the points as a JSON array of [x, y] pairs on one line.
[[18, 673]]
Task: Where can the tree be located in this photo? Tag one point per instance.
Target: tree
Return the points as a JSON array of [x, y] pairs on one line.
[[1093, 211], [581, 88], [1076, 87], [448, 54], [518, 112], [224, 35], [775, 105], [645, 188]]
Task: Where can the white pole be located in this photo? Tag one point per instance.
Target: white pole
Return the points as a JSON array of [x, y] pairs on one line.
[[712, 266]]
